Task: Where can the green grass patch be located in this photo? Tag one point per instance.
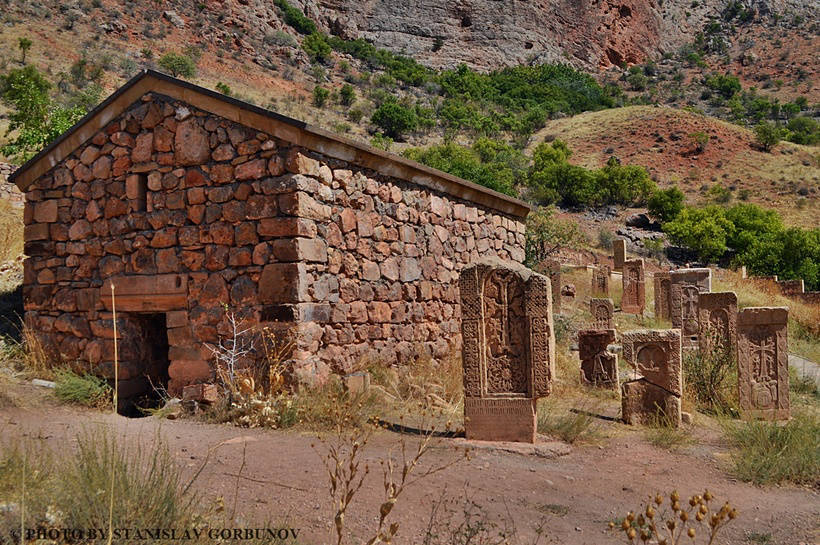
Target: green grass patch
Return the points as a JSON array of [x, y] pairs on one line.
[[772, 452], [661, 432], [85, 389]]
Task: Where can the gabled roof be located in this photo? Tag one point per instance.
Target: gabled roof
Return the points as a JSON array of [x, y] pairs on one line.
[[285, 128]]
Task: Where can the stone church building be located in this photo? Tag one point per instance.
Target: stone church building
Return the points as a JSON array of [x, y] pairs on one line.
[[196, 206]]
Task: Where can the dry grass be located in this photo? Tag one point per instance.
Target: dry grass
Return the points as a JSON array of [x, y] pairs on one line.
[[11, 233]]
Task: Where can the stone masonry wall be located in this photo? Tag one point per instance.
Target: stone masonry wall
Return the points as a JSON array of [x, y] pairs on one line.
[[365, 264]]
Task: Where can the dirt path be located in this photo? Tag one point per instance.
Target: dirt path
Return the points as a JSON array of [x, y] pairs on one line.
[[572, 496]]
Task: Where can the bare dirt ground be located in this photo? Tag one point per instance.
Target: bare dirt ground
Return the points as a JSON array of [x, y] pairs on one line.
[[571, 497]]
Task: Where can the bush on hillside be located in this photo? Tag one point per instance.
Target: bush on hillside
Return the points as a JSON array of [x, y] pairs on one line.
[[317, 48], [295, 18], [395, 119], [767, 135], [803, 130], [487, 163], [666, 204]]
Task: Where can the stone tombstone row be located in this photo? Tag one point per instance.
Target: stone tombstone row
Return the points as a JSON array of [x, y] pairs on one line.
[[763, 362], [602, 311], [508, 349], [663, 295], [655, 356], [600, 280], [634, 288], [686, 285], [717, 323], [599, 367], [618, 253]]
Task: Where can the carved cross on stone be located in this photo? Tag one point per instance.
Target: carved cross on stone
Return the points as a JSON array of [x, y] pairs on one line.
[[763, 364], [508, 349]]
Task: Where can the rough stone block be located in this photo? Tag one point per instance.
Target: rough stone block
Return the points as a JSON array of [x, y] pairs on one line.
[[499, 419], [283, 283]]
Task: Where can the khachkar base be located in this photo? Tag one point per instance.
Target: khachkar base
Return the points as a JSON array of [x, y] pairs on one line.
[[763, 362], [500, 419]]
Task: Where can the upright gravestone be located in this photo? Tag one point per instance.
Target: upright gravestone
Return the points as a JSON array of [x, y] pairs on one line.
[[663, 295], [717, 323], [763, 362], [552, 269], [618, 253], [599, 367], [600, 280], [656, 393], [602, 311], [508, 349], [634, 293], [686, 285]]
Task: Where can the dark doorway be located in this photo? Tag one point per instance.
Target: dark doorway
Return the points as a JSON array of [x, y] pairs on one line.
[[148, 391]]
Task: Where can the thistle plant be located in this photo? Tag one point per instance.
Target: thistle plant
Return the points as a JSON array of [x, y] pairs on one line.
[[668, 524]]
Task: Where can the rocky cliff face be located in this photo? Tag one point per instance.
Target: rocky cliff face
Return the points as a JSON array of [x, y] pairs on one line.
[[492, 33]]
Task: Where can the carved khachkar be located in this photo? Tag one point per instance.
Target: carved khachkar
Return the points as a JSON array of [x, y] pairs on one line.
[[602, 311], [600, 280], [685, 287], [552, 269], [508, 349], [655, 356], [634, 294], [717, 324], [598, 366], [663, 295], [763, 362], [618, 253]]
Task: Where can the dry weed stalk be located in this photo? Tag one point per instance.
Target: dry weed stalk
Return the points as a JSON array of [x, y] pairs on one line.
[[230, 352], [679, 522], [343, 462]]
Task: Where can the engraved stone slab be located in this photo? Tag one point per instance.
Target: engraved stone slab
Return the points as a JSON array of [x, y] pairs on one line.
[[663, 295], [600, 280], [598, 366], [685, 287], [717, 322], [602, 311], [634, 294], [619, 253], [552, 269], [508, 352], [763, 362], [656, 355], [642, 402], [499, 419]]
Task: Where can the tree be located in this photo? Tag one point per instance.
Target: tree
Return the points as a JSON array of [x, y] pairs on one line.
[[320, 95], [24, 44], [347, 95], [546, 234], [767, 135], [317, 48], [704, 230], [35, 119], [394, 119], [666, 204], [178, 65]]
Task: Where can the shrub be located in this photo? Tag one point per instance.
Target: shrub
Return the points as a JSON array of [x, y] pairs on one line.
[[320, 95], [355, 114], [178, 65], [637, 81], [394, 119], [724, 84], [701, 140], [770, 452], [570, 427], [704, 230], [666, 204], [347, 95], [719, 194], [803, 130], [295, 18], [223, 88], [767, 135], [83, 389], [317, 48], [711, 377], [605, 239], [546, 234], [280, 38], [478, 164]]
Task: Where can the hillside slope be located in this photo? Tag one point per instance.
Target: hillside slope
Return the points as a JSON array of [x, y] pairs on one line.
[[658, 138]]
